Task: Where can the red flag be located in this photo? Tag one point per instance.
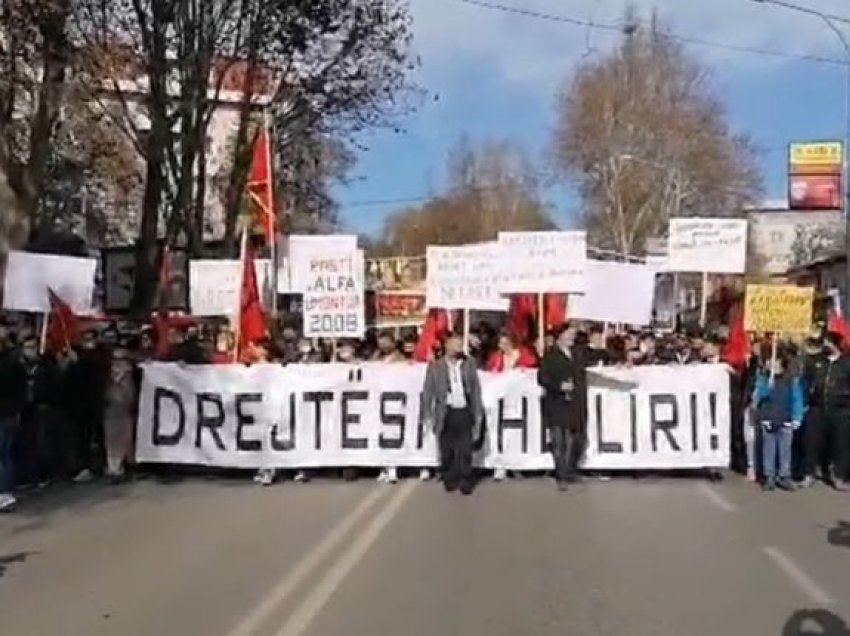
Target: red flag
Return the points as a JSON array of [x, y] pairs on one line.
[[436, 327], [522, 316], [63, 325], [556, 310], [252, 320], [736, 352], [260, 188], [838, 325]]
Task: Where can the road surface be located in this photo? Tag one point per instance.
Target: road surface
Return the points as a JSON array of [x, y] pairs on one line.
[[661, 557]]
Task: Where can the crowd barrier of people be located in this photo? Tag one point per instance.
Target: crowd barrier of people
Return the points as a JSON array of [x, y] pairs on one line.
[[70, 415]]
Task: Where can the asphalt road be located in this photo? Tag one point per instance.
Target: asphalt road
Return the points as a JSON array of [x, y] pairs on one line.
[[662, 557]]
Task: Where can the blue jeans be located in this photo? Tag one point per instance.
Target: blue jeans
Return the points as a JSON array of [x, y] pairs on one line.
[[8, 429], [776, 446]]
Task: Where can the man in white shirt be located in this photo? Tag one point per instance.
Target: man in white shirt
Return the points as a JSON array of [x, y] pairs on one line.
[[451, 405]]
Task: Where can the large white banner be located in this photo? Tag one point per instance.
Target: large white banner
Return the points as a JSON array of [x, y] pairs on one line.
[[616, 293], [29, 275], [717, 246], [465, 277], [334, 296], [543, 262], [215, 284], [368, 415]]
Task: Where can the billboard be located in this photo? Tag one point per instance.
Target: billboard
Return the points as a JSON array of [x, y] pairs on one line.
[[815, 175]]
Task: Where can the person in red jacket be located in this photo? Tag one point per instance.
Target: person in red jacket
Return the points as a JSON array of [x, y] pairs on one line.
[[511, 355]]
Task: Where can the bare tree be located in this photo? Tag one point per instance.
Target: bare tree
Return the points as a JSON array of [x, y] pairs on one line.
[[34, 58], [643, 139], [492, 187], [341, 66], [311, 66]]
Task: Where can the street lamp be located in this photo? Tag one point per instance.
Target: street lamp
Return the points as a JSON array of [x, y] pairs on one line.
[[831, 20]]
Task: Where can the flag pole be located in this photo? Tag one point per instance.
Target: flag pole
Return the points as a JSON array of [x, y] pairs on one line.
[[271, 216], [541, 322], [42, 341], [237, 331]]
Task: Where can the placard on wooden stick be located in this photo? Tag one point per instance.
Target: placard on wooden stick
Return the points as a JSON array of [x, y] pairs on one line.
[[778, 308]]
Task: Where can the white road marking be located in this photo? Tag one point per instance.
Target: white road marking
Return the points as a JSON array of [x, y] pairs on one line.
[[716, 498], [305, 613], [310, 562], [803, 581]]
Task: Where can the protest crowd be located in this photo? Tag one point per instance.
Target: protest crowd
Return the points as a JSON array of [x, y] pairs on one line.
[[69, 413], [529, 356]]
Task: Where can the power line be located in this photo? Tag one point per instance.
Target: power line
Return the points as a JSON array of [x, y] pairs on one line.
[[801, 9], [620, 28], [376, 202]]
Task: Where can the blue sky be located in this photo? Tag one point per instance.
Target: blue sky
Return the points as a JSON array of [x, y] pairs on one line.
[[497, 75]]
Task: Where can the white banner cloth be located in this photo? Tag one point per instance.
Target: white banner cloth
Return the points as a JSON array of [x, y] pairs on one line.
[[368, 415]]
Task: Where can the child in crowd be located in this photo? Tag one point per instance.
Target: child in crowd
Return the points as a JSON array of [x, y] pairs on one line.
[[778, 412]]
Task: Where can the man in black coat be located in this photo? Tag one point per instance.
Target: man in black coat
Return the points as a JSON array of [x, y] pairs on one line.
[[13, 381], [815, 368], [836, 415], [563, 378]]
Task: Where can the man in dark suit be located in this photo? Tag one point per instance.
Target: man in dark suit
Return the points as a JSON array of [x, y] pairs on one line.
[[452, 407], [563, 378]]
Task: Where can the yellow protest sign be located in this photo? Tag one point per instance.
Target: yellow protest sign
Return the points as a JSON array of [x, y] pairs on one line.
[[778, 308]]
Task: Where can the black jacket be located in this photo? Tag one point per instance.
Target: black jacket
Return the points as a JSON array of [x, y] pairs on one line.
[[837, 384], [560, 408], [815, 369], [43, 383], [13, 384]]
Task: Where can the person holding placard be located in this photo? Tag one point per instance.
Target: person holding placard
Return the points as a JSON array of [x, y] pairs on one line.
[[779, 412]]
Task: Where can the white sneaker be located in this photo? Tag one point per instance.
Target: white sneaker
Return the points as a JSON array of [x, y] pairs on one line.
[[500, 474], [7, 502], [300, 477], [85, 476], [265, 477], [392, 475], [425, 474], [382, 476]]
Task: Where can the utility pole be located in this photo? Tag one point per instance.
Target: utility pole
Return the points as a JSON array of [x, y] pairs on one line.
[[832, 21]]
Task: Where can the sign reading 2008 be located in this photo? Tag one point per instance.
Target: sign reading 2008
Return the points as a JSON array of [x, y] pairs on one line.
[[368, 415]]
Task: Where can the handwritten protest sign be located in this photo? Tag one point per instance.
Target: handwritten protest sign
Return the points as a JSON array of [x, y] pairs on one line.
[[778, 308], [293, 271], [29, 275], [616, 292], [465, 277], [215, 285], [716, 246], [334, 304], [543, 262]]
